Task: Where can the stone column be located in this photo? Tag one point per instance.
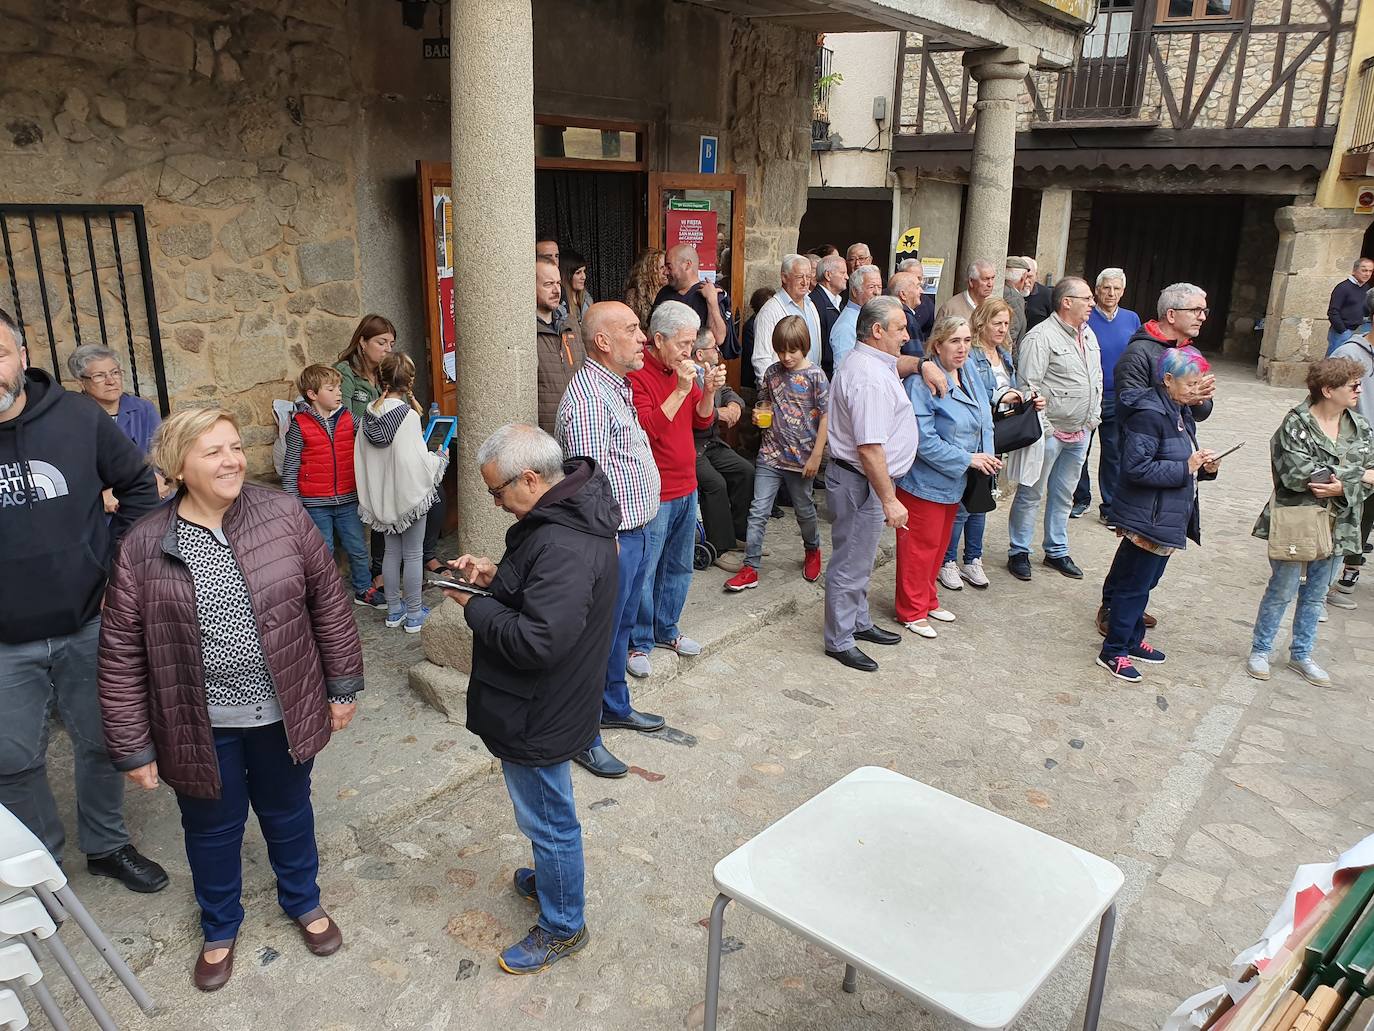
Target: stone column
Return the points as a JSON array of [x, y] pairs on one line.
[[1052, 242], [492, 90], [987, 218]]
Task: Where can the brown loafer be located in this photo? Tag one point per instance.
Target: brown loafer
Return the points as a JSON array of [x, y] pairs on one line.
[[323, 943], [211, 977], [1150, 620]]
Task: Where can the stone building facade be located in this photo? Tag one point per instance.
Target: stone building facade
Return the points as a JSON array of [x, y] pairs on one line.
[[272, 147], [1216, 137]]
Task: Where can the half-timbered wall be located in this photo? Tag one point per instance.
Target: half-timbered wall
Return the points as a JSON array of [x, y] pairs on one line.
[[1285, 67]]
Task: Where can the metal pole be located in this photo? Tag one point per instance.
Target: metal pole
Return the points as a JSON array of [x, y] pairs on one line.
[[145, 268], [1098, 983], [83, 987], [107, 951], [9, 264], [67, 275], [46, 1003], [95, 282], [713, 962], [43, 296], [851, 979]]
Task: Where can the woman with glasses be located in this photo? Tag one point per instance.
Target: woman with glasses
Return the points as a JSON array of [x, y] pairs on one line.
[[98, 371], [1320, 456]]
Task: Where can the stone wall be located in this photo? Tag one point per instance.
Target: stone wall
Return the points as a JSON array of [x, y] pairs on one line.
[[1316, 247], [1255, 252], [770, 129], [230, 123]]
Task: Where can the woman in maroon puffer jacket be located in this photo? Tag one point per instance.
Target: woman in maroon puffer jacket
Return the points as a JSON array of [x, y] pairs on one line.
[[228, 655]]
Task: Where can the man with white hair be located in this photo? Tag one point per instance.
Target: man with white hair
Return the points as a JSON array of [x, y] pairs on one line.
[[857, 255], [981, 280], [790, 300], [908, 287], [1013, 292], [543, 628], [671, 404], [686, 286], [1039, 303], [832, 276], [865, 283], [1113, 326]]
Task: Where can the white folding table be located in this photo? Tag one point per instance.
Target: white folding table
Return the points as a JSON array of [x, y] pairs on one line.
[[954, 906]]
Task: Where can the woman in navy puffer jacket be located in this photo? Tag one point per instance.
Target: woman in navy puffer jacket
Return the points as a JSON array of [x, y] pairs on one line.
[[1156, 505]]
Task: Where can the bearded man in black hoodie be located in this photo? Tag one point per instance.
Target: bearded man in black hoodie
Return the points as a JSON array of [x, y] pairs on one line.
[[539, 662], [58, 451]]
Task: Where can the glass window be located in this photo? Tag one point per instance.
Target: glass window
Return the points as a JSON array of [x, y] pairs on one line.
[[1199, 10], [585, 143]]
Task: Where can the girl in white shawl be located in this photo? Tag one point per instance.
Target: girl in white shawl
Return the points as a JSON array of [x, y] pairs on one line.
[[398, 481]]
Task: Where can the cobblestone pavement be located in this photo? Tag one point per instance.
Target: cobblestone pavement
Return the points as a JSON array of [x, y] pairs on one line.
[[1205, 786]]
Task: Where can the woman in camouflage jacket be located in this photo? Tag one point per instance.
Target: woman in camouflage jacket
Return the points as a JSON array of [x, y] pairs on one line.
[[1322, 433]]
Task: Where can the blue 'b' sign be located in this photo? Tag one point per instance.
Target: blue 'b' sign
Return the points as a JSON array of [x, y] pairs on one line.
[[706, 164]]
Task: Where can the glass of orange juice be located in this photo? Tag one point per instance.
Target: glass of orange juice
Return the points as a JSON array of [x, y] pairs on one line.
[[763, 415]]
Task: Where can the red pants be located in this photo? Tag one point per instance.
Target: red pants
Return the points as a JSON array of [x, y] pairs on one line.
[[920, 552]]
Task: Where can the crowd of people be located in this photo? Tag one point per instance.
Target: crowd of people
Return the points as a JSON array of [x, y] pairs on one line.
[[195, 630]]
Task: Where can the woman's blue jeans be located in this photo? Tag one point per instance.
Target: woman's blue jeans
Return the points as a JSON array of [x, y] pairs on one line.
[[971, 527], [1285, 581]]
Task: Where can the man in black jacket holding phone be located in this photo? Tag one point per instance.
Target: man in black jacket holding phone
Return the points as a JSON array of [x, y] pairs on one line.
[[539, 662], [58, 451]]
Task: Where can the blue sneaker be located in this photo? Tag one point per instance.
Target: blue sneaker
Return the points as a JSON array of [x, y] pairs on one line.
[[1146, 652], [539, 950], [524, 884], [372, 597], [415, 622], [395, 619]]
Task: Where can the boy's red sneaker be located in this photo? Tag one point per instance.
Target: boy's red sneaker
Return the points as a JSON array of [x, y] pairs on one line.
[[811, 569], [746, 578]]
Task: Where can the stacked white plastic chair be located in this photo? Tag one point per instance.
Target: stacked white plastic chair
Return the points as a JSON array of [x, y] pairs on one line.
[[35, 900]]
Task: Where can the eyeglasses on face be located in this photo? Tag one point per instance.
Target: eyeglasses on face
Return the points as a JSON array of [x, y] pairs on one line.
[[105, 377], [1204, 312], [496, 492], [1079, 297]]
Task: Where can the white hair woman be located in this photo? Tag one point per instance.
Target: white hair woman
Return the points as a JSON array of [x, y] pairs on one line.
[[101, 376]]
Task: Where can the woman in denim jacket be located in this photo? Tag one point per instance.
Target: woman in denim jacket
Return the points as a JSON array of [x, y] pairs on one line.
[[990, 328], [955, 436]]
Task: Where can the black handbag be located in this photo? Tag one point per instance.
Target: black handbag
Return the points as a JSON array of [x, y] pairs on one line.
[[978, 492], [1018, 428]]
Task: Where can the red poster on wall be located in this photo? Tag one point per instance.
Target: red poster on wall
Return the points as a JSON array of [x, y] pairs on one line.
[[697, 228]]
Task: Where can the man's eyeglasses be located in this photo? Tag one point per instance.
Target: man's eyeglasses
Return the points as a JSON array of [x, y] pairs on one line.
[[1204, 312], [496, 492], [1079, 297], [106, 377]]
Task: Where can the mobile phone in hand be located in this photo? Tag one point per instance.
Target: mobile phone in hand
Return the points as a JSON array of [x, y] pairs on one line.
[[1322, 475]]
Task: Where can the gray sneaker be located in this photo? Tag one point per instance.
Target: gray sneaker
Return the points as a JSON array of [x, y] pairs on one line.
[[684, 646], [1257, 666], [637, 665], [1310, 672], [1338, 600]]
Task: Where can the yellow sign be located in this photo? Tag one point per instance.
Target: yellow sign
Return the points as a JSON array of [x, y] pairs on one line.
[[909, 243], [1080, 10]]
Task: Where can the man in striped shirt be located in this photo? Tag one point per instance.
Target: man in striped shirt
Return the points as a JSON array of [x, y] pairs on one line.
[[596, 419]]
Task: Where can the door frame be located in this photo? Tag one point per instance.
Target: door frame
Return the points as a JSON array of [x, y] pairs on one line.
[[732, 182]]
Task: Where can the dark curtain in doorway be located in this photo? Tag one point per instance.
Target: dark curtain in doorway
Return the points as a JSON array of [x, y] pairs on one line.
[[593, 213]]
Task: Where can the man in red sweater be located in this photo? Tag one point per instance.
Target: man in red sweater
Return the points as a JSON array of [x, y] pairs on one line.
[[671, 400]]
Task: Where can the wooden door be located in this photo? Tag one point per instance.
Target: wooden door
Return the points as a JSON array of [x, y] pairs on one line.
[[1160, 239]]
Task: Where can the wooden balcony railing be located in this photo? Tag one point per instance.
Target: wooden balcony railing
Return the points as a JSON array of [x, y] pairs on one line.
[[1362, 137]]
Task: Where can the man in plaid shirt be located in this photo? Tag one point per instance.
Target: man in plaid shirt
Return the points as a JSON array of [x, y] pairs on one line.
[[596, 419]]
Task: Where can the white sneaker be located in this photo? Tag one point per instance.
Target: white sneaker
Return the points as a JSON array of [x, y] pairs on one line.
[[972, 571], [1310, 672], [1322, 618], [1257, 666], [949, 577], [921, 628], [943, 615]]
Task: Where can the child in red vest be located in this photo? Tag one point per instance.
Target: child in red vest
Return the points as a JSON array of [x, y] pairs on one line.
[[318, 469]]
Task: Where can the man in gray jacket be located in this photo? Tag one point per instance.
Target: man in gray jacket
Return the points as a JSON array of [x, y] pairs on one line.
[[1058, 360]]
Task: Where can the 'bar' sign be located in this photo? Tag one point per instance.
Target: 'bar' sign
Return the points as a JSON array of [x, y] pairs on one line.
[[436, 48]]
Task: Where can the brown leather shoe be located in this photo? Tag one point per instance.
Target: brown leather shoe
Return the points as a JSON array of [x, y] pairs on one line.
[[211, 977], [1101, 620], [324, 943]]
